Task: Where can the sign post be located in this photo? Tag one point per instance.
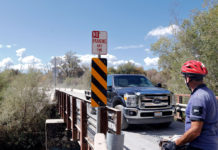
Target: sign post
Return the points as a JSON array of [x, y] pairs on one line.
[[99, 74]]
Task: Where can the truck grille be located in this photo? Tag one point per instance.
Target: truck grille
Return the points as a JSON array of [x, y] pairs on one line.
[[154, 101]]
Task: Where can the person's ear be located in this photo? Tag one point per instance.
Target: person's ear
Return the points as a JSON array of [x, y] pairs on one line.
[[188, 79]]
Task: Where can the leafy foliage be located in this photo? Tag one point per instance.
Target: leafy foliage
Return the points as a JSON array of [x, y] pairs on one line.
[[128, 68], [21, 120], [67, 66], [196, 40], [83, 82], [5, 78]]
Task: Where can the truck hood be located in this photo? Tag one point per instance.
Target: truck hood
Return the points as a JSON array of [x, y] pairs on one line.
[[142, 90]]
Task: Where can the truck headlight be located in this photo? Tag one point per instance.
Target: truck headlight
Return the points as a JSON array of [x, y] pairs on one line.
[[131, 100]]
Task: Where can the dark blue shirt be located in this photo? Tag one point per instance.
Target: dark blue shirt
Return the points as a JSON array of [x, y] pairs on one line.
[[203, 106]]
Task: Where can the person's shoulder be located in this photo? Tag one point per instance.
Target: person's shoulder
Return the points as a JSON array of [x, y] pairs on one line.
[[201, 94], [205, 91]]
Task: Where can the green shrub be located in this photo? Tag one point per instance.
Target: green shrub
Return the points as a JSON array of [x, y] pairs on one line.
[[23, 112]]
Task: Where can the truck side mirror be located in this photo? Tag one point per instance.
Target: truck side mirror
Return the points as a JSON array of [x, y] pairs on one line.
[[159, 85], [109, 88]]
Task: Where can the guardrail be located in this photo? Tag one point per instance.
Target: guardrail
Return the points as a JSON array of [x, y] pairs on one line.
[[180, 106], [82, 124]]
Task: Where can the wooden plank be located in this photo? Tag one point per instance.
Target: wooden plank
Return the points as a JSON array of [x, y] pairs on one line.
[[64, 106], [74, 121], [118, 123], [78, 127], [103, 120], [83, 125], [61, 104], [68, 113]]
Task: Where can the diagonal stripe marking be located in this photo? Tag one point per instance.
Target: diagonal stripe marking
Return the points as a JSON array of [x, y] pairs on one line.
[[98, 93], [93, 103], [97, 84], [100, 64], [97, 99], [98, 69], [99, 78]]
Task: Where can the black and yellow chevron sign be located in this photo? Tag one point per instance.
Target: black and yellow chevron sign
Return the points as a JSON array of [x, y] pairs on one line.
[[99, 82]]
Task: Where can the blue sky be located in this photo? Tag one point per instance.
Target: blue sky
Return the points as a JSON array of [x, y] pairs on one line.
[[32, 31]]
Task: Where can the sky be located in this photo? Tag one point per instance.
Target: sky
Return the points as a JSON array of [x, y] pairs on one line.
[[32, 32]]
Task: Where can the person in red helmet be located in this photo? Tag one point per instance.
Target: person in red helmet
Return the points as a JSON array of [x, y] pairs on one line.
[[201, 125]]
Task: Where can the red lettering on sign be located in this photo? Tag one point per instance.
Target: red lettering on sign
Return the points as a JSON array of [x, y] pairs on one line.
[[99, 49], [99, 41], [95, 34], [99, 45]]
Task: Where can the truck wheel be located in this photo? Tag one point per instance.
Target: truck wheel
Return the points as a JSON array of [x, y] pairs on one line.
[[124, 124]]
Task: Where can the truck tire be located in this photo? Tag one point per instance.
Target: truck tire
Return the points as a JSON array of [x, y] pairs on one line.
[[124, 124]]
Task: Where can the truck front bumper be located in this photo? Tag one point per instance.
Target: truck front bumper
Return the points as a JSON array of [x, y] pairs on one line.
[[137, 116]]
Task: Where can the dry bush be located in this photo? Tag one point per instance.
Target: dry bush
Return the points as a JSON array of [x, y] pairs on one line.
[[21, 123]]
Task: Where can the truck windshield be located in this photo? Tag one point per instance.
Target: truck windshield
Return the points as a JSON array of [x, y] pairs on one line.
[[132, 81]]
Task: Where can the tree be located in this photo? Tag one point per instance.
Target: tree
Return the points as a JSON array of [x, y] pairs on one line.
[[68, 66], [128, 68], [154, 76], [197, 40]]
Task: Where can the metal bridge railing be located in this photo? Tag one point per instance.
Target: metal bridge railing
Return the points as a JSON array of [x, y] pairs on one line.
[[74, 112], [181, 104]]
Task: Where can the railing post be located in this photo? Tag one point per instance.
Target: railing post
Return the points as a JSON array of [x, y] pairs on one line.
[[180, 99], [65, 107], [83, 125], [103, 120], [68, 113], [177, 98], [61, 103], [74, 113], [118, 123], [57, 98]]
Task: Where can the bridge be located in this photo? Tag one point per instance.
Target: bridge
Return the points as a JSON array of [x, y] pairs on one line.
[[91, 131]]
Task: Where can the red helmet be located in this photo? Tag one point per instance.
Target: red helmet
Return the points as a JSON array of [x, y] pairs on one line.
[[194, 67]]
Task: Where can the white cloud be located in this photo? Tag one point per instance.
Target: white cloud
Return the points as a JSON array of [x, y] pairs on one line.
[[112, 60], [1, 45], [129, 47], [8, 46], [151, 61], [20, 52], [147, 50], [25, 67], [24, 62], [85, 59], [19, 67], [30, 60], [6, 62], [161, 31]]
